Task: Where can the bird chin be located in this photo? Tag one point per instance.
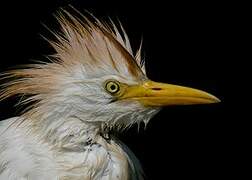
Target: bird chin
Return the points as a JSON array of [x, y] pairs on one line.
[[135, 118]]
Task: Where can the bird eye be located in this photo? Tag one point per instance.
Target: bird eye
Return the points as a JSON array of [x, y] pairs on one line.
[[112, 87]]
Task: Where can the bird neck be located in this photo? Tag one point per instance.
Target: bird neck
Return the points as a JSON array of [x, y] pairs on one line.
[[69, 133]]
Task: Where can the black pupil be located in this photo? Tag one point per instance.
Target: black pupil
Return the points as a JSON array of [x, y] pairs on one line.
[[113, 87]]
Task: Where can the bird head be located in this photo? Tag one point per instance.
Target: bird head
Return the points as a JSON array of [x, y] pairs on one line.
[[95, 77]]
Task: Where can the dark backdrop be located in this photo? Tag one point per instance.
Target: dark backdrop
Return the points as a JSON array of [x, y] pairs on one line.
[[184, 43]]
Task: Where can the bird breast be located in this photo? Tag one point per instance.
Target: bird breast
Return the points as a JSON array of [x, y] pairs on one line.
[[101, 160], [28, 158]]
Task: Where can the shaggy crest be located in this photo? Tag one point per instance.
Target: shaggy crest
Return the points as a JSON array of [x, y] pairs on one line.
[[86, 43]]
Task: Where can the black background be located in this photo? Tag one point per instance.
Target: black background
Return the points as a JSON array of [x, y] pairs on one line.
[[184, 43]]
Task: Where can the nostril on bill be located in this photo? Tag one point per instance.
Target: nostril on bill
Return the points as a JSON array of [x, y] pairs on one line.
[[156, 89]]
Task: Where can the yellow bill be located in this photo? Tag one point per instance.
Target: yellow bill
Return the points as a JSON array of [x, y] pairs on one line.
[[152, 93]]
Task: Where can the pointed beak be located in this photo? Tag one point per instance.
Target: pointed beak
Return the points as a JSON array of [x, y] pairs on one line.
[[152, 93]]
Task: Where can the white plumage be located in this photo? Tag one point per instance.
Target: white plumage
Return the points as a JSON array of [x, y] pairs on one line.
[[93, 84]]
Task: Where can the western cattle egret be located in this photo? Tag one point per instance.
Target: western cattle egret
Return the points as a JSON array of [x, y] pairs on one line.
[[93, 84]]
